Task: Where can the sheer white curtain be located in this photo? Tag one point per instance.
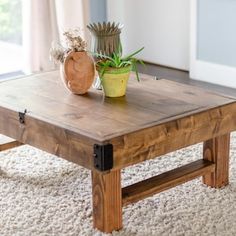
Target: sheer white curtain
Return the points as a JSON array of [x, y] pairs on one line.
[[44, 21], [72, 14]]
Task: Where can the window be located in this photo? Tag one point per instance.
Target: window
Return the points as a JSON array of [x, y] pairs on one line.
[[10, 37]]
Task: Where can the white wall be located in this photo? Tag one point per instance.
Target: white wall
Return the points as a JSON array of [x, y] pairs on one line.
[[162, 26], [216, 24], [213, 38], [97, 11]]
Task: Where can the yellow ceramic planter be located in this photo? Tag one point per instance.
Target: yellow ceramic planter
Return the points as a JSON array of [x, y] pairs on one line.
[[114, 81]]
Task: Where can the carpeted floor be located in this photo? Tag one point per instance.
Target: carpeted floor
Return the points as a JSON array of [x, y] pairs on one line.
[[41, 194]]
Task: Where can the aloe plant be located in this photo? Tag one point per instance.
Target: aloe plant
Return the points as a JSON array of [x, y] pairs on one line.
[[117, 61]]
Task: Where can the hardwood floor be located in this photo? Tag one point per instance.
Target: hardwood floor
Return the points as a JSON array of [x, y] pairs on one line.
[[182, 77]]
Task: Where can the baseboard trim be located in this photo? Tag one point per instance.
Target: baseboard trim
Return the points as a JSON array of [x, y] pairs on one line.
[[165, 66], [214, 73]]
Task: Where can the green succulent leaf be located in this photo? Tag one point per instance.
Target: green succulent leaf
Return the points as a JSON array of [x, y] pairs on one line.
[[125, 63], [132, 54], [141, 62], [117, 61]]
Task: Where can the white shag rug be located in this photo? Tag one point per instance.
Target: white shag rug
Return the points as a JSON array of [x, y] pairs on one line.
[[41, 194]]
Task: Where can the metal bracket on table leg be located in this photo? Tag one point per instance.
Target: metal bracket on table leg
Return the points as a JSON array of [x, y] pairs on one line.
[[22, 116], [103, 157]]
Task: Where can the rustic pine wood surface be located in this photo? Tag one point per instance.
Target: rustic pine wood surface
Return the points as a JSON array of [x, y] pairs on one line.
[[146, 104], [107, 201], [217, 150], [170, 179], [8, 143], [155, 117]]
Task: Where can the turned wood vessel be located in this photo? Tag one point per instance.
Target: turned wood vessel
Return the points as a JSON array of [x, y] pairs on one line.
[[78, 71]]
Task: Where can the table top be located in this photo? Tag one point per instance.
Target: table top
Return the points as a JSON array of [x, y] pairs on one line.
[[146, 104]]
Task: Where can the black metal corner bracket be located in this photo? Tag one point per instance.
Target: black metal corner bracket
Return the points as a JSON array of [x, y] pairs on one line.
[[22, 116], [103, 156]]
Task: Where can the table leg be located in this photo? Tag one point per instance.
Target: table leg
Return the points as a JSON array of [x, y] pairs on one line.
[[107, 201], [217, 151]]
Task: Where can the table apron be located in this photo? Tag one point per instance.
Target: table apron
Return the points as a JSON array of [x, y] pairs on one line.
[[128, 149], [171, 136], [47, 137]]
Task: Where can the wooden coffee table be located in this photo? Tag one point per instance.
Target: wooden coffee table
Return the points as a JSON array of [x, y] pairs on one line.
[[106, 135]]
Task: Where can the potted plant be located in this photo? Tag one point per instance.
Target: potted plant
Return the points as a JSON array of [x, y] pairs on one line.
[[114, 71]]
